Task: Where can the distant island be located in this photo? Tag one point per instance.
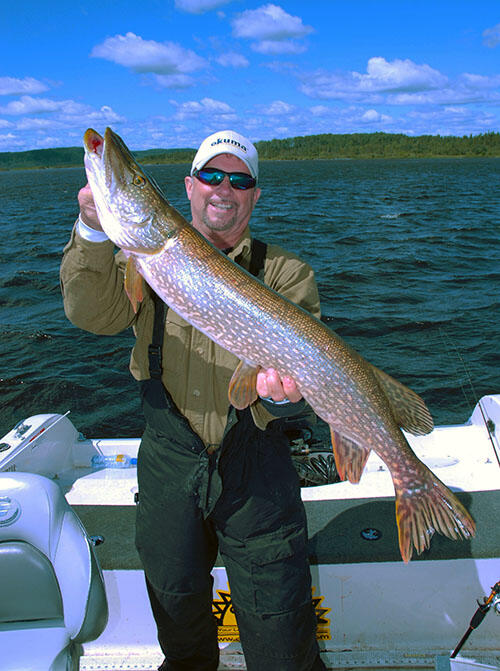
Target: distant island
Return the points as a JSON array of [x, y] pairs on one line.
[[326, 146]]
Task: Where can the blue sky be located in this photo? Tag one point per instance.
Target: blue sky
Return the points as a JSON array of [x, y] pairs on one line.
[[166, 73]]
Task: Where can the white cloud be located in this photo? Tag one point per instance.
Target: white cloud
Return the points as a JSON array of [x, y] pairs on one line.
[[279, 47], [319, 110], [177, 81], [491, 36], [278, 107], [231, 59], [465, 90], [34, 124], [11, 142], [214, 108], [148, 56], [398, 75], [104, 115], [452, 120], [400, 82], [9, 86], [199, 6], [382, 77], [61, 122], [372, 116], [273, 29], [30, 105], [59, 110]]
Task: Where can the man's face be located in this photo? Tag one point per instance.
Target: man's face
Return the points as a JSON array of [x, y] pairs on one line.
[[221, 213]]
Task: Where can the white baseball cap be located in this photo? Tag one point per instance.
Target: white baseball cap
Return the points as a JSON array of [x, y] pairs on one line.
[[227, 142]]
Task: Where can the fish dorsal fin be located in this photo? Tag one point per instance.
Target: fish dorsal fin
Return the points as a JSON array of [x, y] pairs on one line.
[[133, 283], [243, 385], [409, 410], [350, 457]]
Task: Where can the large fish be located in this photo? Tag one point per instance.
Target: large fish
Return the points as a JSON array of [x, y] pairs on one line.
[[363, 406]]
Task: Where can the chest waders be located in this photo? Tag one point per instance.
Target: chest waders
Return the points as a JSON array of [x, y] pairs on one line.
[[242, 500]]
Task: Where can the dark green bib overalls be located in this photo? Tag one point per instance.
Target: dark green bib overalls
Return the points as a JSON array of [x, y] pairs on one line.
[[243, 501]]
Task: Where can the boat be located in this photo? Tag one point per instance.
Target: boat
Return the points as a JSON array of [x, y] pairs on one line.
[[373, 610]]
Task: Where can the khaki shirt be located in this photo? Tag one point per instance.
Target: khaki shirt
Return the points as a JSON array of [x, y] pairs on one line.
[[196, 371]]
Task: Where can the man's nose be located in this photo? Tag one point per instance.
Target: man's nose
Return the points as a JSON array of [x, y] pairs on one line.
[[225, 185]]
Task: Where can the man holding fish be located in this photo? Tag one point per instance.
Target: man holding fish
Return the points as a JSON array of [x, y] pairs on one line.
[[213, 476]]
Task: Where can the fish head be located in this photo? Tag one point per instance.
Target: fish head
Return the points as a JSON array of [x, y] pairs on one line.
[[129, 203]]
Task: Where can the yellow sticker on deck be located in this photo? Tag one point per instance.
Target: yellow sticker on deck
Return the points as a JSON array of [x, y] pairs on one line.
[[223, 611]]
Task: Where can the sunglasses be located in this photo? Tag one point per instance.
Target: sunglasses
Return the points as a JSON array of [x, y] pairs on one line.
[[214, 177]]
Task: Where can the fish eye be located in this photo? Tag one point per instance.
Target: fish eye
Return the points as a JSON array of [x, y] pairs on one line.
[[138, 180]]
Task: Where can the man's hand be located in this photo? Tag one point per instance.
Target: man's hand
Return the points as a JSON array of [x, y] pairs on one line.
[[270, 385], [88, 213]]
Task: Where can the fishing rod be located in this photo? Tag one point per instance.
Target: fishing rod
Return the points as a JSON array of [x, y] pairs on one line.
[[488, 423], [479, 615]]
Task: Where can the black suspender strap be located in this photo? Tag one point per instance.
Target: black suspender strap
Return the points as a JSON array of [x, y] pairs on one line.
[[257, 258], [154, 349]]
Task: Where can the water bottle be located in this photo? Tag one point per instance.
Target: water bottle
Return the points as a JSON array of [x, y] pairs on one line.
[[113, 461]]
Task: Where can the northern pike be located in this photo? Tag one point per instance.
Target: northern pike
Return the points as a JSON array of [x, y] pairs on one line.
[[364, 407]]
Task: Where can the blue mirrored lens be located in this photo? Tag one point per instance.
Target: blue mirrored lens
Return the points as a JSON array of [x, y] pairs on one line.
[[213, 177]]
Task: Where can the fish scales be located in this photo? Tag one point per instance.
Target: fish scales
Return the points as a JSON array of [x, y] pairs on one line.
[[363, 406], [252, 322]]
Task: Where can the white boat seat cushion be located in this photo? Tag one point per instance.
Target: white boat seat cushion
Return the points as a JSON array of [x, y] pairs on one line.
[[31, 591], [40, 529]]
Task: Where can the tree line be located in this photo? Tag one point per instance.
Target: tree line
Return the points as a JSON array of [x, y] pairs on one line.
[[326, 146], [379, 145], [72, 157]]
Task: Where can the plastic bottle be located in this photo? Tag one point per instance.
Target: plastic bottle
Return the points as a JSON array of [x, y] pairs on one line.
[[113, 461]]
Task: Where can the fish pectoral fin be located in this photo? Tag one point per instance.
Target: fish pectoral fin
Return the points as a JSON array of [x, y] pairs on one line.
[[350, 457], [243, 385], [409, 410], [427, 508], [133, 283]]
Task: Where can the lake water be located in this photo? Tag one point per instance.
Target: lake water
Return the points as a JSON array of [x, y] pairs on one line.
[[406, 254]]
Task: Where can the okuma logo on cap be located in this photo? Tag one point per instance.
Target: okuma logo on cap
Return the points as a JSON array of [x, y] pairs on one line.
[[227, 140]]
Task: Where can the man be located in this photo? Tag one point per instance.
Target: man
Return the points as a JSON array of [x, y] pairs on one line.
[[210, 478]]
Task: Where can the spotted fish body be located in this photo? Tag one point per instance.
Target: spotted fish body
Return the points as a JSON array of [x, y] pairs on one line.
[[363, 406]]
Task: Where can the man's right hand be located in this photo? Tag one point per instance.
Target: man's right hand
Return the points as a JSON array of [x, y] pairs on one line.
[[88, 212]]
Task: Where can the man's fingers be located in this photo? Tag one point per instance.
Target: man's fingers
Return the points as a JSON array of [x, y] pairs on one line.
[[270, 385]]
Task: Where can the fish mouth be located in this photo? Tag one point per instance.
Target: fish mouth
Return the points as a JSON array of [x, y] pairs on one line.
[[107, 156], [93, 143], [94, 147], [97, 145]]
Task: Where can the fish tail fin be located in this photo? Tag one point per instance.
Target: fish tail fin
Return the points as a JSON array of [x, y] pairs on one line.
[[433, 508], [350, 457]]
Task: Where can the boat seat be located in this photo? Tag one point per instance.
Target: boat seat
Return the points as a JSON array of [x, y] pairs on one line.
[[52, 596], [31, 591]]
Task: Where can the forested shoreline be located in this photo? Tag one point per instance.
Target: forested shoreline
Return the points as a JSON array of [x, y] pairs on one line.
[[326, 146]]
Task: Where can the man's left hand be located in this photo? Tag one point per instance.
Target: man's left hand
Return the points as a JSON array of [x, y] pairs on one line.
[[271, 385]]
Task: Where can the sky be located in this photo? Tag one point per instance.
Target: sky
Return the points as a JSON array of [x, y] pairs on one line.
[[167, 73]]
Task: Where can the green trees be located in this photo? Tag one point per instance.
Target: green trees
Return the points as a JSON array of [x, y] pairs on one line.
[[379, 145], [329, 145]]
